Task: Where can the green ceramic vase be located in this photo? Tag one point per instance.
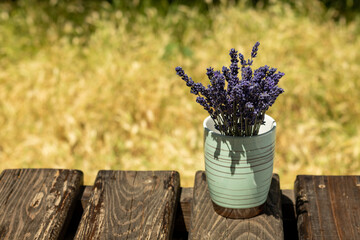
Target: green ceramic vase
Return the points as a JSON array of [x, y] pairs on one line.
[[239, 169]]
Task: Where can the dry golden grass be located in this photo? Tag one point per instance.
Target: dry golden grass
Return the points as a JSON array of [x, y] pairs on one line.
[[109, 98]]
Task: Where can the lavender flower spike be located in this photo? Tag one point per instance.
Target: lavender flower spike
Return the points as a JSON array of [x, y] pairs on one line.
[[255, 49], [242, 60]]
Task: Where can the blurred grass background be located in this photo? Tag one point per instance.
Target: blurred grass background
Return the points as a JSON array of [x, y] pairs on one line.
[[92, 86]]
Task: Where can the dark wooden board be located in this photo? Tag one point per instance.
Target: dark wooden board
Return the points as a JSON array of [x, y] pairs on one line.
[[207, 224], [131, 205], [37, 203], [328, 207]]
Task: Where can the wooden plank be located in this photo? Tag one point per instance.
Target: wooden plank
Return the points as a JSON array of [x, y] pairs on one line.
[[328, 207], [131, 205], [37, 203], [207, 224], [183, 212]]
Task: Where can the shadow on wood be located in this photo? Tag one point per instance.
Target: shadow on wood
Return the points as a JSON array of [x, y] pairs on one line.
[[207, 224]]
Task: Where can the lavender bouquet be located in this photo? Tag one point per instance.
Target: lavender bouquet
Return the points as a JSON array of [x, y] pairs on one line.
[[236, 105]]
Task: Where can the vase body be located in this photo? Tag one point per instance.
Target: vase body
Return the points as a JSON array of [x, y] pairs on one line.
[[239, 169]]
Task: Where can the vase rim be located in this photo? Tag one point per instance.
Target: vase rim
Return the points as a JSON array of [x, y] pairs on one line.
[[217, 133]]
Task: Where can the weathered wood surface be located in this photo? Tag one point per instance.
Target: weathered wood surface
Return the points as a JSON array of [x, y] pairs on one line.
[[131, 205], [37, 203], [207, 224], [328, 207], [86, 195], [183, 215]]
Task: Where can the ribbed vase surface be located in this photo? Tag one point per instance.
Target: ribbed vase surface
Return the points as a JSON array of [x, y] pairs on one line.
[[239, 169]]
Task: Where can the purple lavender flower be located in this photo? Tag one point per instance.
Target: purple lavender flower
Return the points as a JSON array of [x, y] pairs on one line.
[[242, 60], [234, 62], [238, 107], [255, 49], [226, 73], [181, 73], [246, 73], [203, 103], [196, 88]]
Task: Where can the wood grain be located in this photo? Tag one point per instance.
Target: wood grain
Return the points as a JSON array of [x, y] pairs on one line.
[[131, 205], [37, 203], [207, 224], [328, 207]]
